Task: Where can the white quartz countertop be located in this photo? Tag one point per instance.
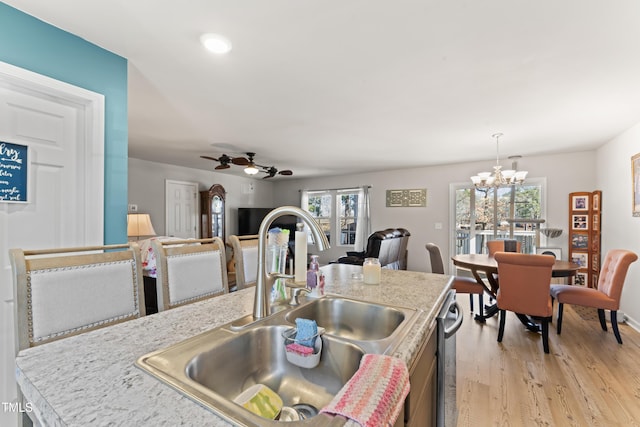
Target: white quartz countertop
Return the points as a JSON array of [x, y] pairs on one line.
[[91, 379]]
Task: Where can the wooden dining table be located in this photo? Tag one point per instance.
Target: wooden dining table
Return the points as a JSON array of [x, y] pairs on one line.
[[484, 265]]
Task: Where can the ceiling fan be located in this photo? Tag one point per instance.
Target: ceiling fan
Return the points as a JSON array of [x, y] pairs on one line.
[[271, 171], [224, 161], [251, 168]]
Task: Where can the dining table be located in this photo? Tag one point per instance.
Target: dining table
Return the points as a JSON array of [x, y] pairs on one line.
[[484, 269]]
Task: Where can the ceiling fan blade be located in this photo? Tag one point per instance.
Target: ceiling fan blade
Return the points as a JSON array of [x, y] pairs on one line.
[[267, 177], [240, 161], [224, 166], [210, 158], [286, 172]]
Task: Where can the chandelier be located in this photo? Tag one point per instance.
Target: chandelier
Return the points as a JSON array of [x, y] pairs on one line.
[[499, 178]]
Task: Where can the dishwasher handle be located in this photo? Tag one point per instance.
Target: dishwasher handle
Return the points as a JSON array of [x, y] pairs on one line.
[[453, 328]]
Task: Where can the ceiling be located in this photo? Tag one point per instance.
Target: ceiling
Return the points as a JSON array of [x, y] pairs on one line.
[[335, 87]]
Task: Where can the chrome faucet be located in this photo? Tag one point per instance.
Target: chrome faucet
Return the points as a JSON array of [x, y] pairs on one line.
[[266, 279]]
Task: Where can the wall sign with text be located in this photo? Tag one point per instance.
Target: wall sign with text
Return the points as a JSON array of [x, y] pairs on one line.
[[14, 172]]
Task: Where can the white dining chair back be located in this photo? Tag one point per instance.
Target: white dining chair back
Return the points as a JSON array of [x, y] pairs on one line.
[[64, 292], [245, 254], [189, 271]]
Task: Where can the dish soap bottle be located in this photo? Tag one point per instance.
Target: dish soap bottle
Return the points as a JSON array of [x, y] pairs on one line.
[[312, 272]]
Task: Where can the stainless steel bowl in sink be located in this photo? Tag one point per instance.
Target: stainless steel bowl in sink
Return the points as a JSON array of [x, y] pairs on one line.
[[215, 367], [351, 319], [258, 357]]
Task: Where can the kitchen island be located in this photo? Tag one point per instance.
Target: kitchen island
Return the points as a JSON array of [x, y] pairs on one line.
[[91, 379]]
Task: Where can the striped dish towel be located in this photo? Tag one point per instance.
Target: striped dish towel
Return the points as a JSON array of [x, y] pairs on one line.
[[374, 396]]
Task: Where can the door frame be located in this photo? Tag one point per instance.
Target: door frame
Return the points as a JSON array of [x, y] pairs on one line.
[[92, 130]]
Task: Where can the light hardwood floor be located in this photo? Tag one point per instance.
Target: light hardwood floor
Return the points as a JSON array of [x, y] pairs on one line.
[[587, 379]]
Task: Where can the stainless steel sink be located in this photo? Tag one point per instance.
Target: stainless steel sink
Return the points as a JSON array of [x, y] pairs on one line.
[[214, 367]]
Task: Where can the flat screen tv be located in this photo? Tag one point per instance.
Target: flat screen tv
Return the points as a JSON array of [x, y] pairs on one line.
[[249, 220]]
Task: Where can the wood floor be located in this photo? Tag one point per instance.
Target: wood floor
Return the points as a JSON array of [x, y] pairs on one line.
[[587, 379]]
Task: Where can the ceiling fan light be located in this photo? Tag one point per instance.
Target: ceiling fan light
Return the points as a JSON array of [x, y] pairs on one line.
[[251, 170]]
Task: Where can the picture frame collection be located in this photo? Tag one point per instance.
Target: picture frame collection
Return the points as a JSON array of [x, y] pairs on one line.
[[585, 214]]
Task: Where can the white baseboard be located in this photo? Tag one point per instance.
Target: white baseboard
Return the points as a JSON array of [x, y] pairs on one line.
[[631, 322]]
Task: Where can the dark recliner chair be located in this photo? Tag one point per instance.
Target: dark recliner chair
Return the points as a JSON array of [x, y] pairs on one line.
[[389, 246]]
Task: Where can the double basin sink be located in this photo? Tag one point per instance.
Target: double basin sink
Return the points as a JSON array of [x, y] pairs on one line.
[[216, 366]]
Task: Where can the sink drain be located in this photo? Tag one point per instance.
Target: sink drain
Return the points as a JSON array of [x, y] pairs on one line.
[[305, 410]]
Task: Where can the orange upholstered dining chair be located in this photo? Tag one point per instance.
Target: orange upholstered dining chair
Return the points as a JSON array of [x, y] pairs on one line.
[[525, 282], [462, 285], [606, 296], [503, 245]]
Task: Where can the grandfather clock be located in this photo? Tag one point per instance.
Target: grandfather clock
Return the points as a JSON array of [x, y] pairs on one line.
[[212, 212]]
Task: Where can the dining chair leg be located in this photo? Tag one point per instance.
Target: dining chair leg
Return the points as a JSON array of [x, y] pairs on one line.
[[471, 301], [545, 334], [614, 325], [481, 304], [503, 314], [603, 322], [560, 307]]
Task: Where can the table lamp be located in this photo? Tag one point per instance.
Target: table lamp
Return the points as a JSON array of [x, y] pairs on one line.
[[139, 225]]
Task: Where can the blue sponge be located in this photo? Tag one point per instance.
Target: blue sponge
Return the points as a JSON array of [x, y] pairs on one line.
[[307, 331]]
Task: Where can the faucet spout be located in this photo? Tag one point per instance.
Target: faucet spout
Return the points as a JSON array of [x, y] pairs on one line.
[[265, 279]]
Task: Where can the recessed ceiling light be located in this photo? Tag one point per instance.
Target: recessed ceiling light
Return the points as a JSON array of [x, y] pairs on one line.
[[215, 43]]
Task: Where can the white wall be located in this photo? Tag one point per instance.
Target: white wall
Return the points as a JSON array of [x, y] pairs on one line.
[[565, 173], [619, 228], [147, 190]]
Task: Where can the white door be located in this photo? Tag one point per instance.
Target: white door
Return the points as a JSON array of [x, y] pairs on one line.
[[63, 126], [181, 209]]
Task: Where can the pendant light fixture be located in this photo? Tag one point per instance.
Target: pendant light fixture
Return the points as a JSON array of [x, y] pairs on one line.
[[499, 177]]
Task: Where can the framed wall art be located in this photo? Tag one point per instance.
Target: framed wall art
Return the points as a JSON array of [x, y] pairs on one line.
[[580, 241], [407, 198], [580, 203], [14, 173], [580, 258], [635, 174], [596, 200], [580, 222], [555, 252], [581, 279]]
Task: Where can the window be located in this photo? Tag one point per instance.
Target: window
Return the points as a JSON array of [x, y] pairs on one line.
[[348, 217], [485, 214], [337, 213], [319, 205]]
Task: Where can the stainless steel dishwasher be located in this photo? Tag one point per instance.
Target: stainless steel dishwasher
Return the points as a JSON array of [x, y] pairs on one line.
[[449, 321]]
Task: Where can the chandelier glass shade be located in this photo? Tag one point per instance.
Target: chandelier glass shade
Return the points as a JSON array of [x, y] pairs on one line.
[[499, 177]]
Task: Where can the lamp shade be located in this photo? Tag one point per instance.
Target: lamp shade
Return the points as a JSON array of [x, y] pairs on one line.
[[139, 225]]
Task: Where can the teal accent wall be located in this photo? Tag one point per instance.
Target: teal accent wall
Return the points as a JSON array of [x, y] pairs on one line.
[[29, 43]]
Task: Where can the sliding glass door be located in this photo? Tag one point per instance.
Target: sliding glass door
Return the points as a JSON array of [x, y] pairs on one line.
[[493, 213]]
